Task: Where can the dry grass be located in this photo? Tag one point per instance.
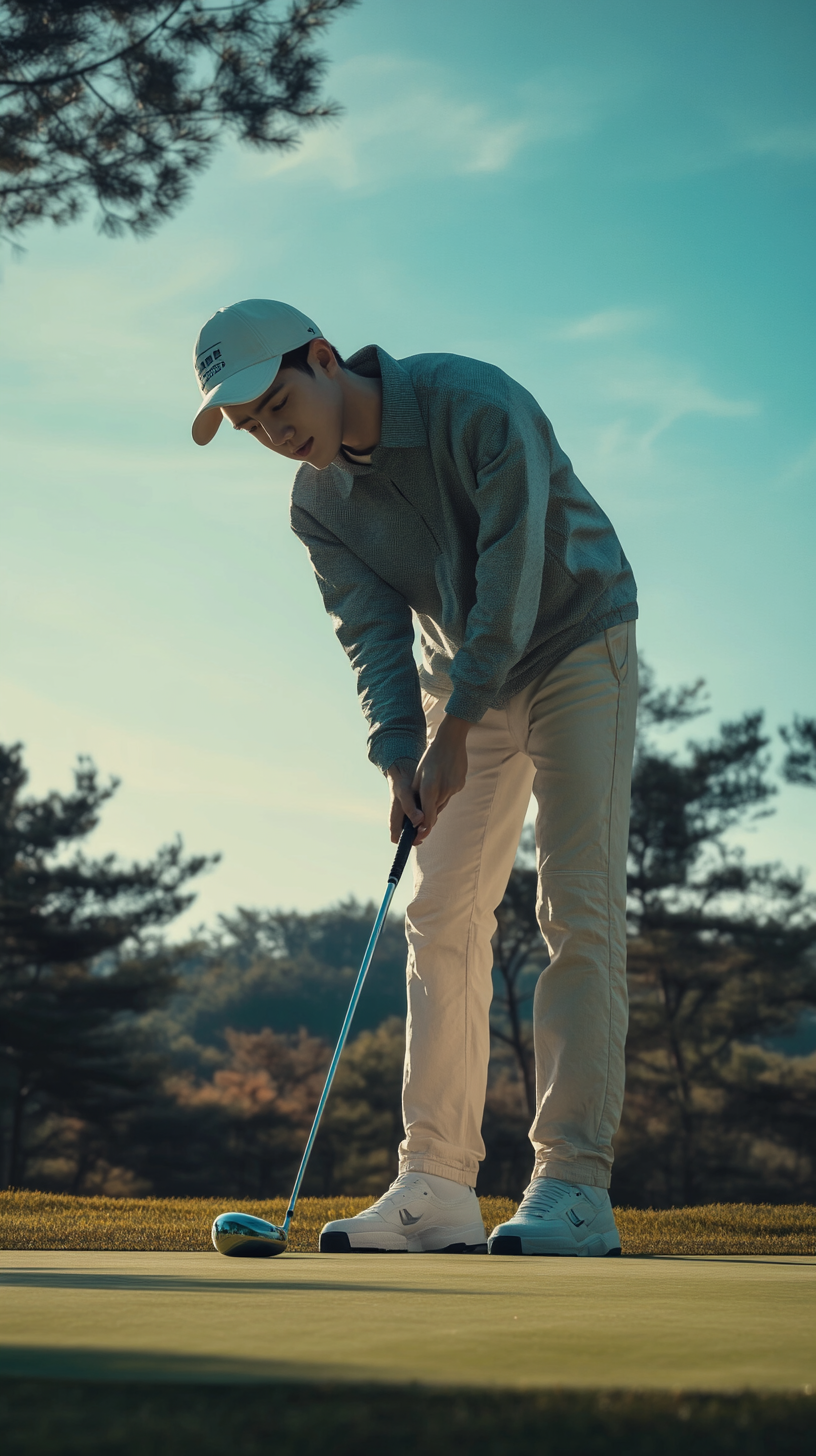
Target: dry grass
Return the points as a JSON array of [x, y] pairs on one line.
[[719, 1228], [58, 1221], [154, 1225]]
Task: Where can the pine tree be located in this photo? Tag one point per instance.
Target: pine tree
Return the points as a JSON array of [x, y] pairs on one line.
[[722, 965], [721, 959], [123, 104], [78, 960], [799, 766]]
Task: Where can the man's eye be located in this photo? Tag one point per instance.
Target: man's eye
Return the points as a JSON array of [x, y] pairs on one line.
[[277, 407]]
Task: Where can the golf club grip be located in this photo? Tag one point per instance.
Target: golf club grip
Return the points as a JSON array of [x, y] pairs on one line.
[[404, 847]]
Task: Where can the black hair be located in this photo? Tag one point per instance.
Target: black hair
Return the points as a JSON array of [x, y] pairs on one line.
[[298, 359]]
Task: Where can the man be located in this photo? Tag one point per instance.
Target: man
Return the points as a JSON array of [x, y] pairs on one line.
[[434, 487]]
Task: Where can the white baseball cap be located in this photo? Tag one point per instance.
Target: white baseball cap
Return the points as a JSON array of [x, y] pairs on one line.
[[239, 352]]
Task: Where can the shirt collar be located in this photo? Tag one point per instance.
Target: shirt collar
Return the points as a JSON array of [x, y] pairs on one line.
[[403, 427]]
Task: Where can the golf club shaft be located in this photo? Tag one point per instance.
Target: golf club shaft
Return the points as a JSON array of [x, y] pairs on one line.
[[407, 838]]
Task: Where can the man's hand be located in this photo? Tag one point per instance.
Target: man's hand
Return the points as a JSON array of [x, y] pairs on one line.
[[441, 773], [401, 776]]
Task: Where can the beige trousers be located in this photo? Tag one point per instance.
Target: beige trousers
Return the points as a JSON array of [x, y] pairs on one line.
[[568, 737]]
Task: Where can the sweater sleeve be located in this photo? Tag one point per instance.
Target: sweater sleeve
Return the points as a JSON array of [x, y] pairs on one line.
[[511, 456], [375, 627]]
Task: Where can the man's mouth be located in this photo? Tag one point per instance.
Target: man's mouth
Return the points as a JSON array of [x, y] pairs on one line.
[[303, 450]]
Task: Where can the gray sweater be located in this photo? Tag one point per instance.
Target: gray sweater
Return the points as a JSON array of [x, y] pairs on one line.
[[470, 516]]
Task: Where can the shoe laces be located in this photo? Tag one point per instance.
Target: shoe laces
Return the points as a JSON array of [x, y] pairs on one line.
[[545, 1194], [399, 1183]]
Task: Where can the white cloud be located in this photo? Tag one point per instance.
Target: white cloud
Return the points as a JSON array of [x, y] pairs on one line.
[[629, 395], [729, 139], [620, 397], [622, 403], [606, 324], [669, 394], [407, 117], [801, 468], [790, 143]]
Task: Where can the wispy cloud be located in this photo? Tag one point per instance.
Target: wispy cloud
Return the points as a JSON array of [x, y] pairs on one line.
[[658, 394], [801, 468], [616, 394], [724, 139], [409, 117], [607, 324], [790, 143], [634, 393], [620, 400], [150, 763], [120, 343]]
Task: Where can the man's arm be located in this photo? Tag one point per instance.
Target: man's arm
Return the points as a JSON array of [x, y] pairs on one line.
[[374, 624], [508, 450], [510, 454]]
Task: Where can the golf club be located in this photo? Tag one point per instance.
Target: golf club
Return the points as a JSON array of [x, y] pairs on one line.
[[241, 1235]]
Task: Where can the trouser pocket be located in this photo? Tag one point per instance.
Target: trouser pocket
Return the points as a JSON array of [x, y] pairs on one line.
[[617, 647]]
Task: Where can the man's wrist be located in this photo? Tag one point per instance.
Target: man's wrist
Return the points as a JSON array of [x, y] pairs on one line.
[[402, 768], [455, 727]]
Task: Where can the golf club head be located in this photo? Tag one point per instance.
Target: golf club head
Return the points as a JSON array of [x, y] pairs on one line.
[[242, 1236]]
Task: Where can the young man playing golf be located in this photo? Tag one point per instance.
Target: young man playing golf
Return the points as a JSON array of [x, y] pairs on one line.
[[433, 487]]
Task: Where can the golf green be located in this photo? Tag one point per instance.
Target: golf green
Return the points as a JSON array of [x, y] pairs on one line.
[[708, 1323]]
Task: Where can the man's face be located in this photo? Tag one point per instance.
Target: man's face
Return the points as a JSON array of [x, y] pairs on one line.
[[300, 416]]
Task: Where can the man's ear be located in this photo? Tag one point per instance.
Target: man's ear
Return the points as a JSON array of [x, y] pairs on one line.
[[321, 356]]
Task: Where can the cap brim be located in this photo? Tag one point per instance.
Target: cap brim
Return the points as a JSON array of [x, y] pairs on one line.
[[240, 388]]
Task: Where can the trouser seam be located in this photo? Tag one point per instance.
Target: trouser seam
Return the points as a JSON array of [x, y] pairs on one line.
[[468, 957], [612, 788]]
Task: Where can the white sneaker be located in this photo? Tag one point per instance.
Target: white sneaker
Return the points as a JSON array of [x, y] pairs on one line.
[[559, 1218], [410, 1219]]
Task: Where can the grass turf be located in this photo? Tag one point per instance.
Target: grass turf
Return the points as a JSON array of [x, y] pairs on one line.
[[60, 1418], [715, 1324], [30, 1220]]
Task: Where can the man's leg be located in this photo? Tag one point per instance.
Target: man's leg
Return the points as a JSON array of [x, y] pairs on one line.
[[581, 727], [460, 876], [461, 873], [581, 739]]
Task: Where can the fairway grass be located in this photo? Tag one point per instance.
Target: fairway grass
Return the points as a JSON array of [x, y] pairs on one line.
[[711, 1323], [40, 1221], [130, 1353]]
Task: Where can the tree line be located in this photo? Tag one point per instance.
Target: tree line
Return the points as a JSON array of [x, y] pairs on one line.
[[130, 1065]]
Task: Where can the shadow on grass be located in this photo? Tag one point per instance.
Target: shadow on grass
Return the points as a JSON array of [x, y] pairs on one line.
[[775, 1261], [266, 1278], [70, 1418], [260, 1282], [53, 1362]]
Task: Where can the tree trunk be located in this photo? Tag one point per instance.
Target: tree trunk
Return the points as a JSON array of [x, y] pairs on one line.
[[510, 975], [522, 1054]]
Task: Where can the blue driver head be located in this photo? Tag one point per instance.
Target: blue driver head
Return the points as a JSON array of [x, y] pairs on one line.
[[242, 1236]]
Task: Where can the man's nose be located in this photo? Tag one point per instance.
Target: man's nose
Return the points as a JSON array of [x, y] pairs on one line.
[[281, 436]]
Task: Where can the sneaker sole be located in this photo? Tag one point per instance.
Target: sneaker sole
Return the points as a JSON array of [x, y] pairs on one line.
[[511, 1244], [340, 1243]]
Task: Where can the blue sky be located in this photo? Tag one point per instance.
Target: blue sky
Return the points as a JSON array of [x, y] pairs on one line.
[[614, 202]]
